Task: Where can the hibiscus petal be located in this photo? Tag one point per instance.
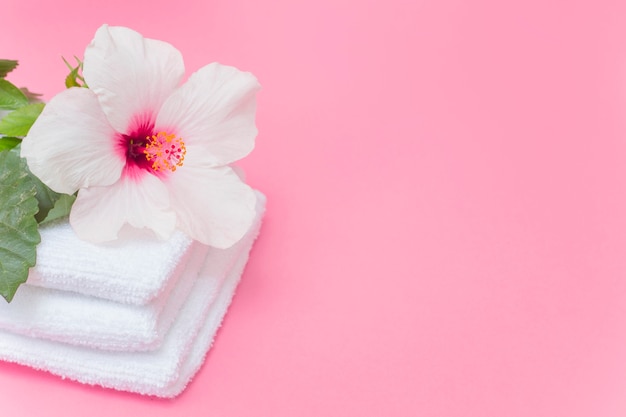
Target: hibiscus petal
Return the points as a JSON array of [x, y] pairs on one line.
[[131, 75], [213, 112], [72, 145], [99, 213], [212, 205]]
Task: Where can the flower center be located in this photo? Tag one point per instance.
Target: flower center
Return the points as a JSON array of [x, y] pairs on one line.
[[165, 151]]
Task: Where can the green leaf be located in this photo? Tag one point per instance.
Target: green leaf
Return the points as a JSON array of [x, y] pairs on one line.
[[11, 97], [46, 198], [18, 122], [52, 205], [61, 209], [18, 226], [6, 66], [49, 201], [8, 142]]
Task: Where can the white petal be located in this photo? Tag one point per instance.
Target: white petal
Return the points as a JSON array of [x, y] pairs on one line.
[[72, 145], [99, 213], [212, 205], [131, 75], [213, 112]]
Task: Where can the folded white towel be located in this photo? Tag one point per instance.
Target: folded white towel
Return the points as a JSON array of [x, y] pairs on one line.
[[60, 315], [163, 372], [134, 270]]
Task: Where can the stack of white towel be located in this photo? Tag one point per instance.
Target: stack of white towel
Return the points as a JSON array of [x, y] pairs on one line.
[[138, 315]]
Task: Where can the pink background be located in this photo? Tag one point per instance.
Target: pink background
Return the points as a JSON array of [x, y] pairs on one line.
[[446, 233]]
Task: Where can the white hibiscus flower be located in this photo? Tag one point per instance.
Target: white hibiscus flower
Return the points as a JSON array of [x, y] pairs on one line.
[[142, 150]]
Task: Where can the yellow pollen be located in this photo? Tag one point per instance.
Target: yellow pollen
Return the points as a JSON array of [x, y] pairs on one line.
[[165, 151]]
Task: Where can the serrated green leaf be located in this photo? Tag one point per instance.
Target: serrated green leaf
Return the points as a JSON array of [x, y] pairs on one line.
[[11, 97], [8, 142], [6, 66], [18, 226], [18, 122], [61, 209]]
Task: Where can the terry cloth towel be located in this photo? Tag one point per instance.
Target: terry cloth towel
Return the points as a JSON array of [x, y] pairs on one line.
[[163, 372], [118, 271], [60, 315]]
